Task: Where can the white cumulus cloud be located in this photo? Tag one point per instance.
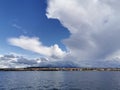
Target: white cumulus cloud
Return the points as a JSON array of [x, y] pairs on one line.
[[35, 45], [93, 24]]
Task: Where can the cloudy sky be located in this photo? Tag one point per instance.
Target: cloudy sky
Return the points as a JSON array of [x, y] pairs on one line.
[[59, 33]]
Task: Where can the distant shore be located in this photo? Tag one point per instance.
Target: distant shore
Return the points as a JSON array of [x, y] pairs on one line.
[[58, 69]]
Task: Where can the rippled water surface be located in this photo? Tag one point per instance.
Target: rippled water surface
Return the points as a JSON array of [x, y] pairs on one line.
[[59, 80]]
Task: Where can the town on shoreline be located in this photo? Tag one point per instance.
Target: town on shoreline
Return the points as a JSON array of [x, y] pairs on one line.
[[58, 69]]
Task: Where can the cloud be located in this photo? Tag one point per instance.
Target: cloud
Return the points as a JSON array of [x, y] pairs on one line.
[[16, 61], [19, 28], [93, 24], [35, 45], [16, 26]]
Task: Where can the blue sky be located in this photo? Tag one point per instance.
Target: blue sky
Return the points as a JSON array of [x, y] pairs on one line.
[[59, 33], [27, 17]]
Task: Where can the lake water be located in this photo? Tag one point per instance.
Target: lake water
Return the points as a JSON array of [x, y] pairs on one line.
[[59, 80]]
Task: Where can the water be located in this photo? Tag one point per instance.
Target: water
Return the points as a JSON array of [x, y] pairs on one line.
[[59, 80]]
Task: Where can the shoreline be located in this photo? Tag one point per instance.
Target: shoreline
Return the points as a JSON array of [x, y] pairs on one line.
[[58, 69]]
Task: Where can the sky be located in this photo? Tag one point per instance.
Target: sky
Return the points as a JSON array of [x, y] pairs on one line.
[[59, 33]]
